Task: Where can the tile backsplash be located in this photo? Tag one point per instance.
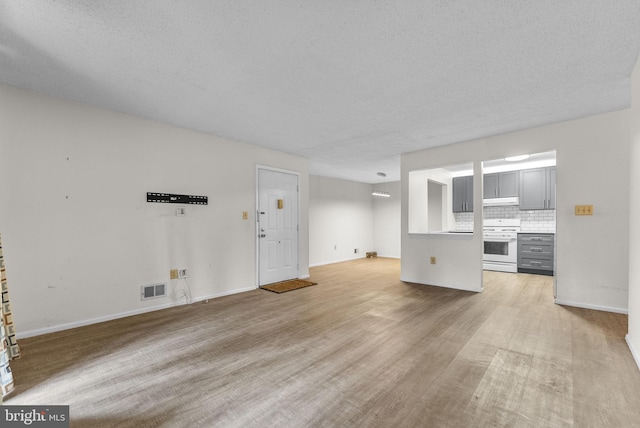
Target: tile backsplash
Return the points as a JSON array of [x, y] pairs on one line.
[[543, 221], [464, 222]]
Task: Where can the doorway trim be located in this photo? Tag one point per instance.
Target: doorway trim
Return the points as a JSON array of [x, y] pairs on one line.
[[257, 218]]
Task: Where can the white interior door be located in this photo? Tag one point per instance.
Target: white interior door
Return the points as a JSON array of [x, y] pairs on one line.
[[277, 226]]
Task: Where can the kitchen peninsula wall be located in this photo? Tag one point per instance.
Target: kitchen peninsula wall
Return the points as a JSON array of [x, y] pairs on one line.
[[541, 221]]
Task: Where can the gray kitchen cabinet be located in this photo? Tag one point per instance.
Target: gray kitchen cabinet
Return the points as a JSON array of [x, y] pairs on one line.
[[463, 194], [489, 186], [551, 187], [535, 253], [538, 189], [500, 184]]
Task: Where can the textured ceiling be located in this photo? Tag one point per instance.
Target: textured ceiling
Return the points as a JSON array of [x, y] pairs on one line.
[[349, 84]]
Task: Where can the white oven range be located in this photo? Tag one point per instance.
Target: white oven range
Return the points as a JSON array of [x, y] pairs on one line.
[[500, 238]]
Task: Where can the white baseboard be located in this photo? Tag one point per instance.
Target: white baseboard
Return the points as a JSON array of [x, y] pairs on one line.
[[349, 260], [594, 307], [633, 350], [336, 261], [450, 286], [67, 326]]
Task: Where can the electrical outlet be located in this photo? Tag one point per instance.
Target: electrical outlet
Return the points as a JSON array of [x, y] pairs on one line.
[[584, 209], [183, 273], [356, 251], [173, 274], [433, 260]]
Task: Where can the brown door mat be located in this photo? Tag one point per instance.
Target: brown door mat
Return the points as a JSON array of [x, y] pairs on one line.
[[284, 286]]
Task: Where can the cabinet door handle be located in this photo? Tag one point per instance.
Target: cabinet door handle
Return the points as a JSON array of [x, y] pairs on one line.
[[536, 263]]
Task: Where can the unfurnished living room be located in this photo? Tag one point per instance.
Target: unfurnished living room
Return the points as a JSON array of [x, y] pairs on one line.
[[237, 214]]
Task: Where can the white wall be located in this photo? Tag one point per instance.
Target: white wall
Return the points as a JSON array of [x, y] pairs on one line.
[[419, 204], [593, 168], [340, 220], [386, 221], [343, 215], [457, 263], [633, 338], [79, 237]]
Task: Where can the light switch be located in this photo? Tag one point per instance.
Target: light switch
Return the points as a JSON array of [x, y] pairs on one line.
[[584, 209], [245, 215]]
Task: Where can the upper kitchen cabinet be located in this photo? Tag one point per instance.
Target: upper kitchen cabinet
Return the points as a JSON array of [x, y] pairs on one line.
[[538, 189], [551, 188], [500, 185], [463, 194]]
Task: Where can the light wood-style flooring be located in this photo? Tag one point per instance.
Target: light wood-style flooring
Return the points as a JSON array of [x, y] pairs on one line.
[[360, 349]]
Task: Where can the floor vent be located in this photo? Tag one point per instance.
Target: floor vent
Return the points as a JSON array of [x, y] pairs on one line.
[[152, 291]]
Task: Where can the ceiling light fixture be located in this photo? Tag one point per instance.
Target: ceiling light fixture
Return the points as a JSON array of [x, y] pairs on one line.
[[381, 193], [516, 158]]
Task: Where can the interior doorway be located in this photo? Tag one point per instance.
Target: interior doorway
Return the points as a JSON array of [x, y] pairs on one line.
[[277, 225], [519, 216]]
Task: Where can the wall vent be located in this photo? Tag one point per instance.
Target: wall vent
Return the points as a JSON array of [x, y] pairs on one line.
[[152, 291]]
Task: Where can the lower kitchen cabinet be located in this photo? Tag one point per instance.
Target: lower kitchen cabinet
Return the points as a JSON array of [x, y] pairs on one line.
[[535, 253]]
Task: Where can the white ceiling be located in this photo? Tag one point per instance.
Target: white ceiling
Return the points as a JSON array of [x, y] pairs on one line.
[[349, 84]]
